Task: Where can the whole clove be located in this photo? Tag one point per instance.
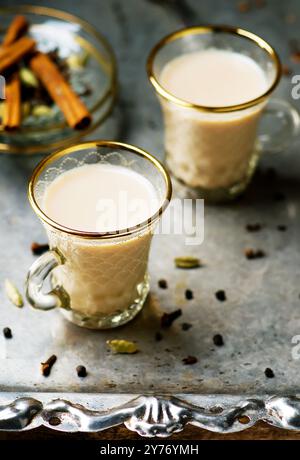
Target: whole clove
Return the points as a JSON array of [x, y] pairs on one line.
[[253, 227], [7, 333], [167, 319], [47, 365], [190, 360], [39, 249], [254, 253]]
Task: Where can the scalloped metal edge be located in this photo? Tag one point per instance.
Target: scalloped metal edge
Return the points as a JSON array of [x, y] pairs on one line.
[[151, 416]]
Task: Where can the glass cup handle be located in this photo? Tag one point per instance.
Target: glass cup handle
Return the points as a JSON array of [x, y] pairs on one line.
[[279, 127], [37, 275]]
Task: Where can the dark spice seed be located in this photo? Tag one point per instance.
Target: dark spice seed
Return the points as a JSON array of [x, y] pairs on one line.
[[269, 373], [47, 366], [190, 360], [221, 295], [7, 333], [218, 340], [81, 371], [189, 295], [186, 326], [282, 228], [163, 284], [253, 227], [167, 319], [254, 253], [158, 336], [38, 249]]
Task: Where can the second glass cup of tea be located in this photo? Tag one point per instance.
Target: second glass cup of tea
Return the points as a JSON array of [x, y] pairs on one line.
[[99, 202], [206, 79]]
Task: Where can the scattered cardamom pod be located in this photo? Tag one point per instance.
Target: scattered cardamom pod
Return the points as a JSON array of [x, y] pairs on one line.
[[13, 294], [122, 346], [187, 262], [28, 78], [41, 110], [77, 61]]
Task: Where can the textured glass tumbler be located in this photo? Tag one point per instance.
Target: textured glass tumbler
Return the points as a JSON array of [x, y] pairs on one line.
[[214, 150], [99, 280]]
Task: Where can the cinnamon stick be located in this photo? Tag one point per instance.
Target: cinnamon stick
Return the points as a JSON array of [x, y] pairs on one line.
[[10, 55], [18, 25], [12, 106], [74, 110]]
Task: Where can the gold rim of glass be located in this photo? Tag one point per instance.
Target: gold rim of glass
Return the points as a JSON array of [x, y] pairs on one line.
[[89, 145], [215, 29]]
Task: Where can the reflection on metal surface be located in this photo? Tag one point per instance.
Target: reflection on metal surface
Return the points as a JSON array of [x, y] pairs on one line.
[[152, 416]]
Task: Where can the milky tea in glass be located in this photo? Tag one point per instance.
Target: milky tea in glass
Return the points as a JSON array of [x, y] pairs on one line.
[[213, 84], [99, 203]]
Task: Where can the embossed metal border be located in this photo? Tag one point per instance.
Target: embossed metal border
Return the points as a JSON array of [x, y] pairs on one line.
[[147, 415]]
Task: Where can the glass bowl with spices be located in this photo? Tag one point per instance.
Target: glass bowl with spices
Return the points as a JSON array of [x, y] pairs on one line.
[[58, 79]]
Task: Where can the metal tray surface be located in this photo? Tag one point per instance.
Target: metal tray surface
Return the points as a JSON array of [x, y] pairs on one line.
[[153, 392]]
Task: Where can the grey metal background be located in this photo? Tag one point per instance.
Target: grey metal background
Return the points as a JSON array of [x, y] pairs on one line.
[[262, 312]]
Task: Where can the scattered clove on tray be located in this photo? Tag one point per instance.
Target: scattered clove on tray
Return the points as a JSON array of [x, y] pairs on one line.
[[47, 365], [167, 319], [254, 253], [38, 249], [190, 360], [253, 227]]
